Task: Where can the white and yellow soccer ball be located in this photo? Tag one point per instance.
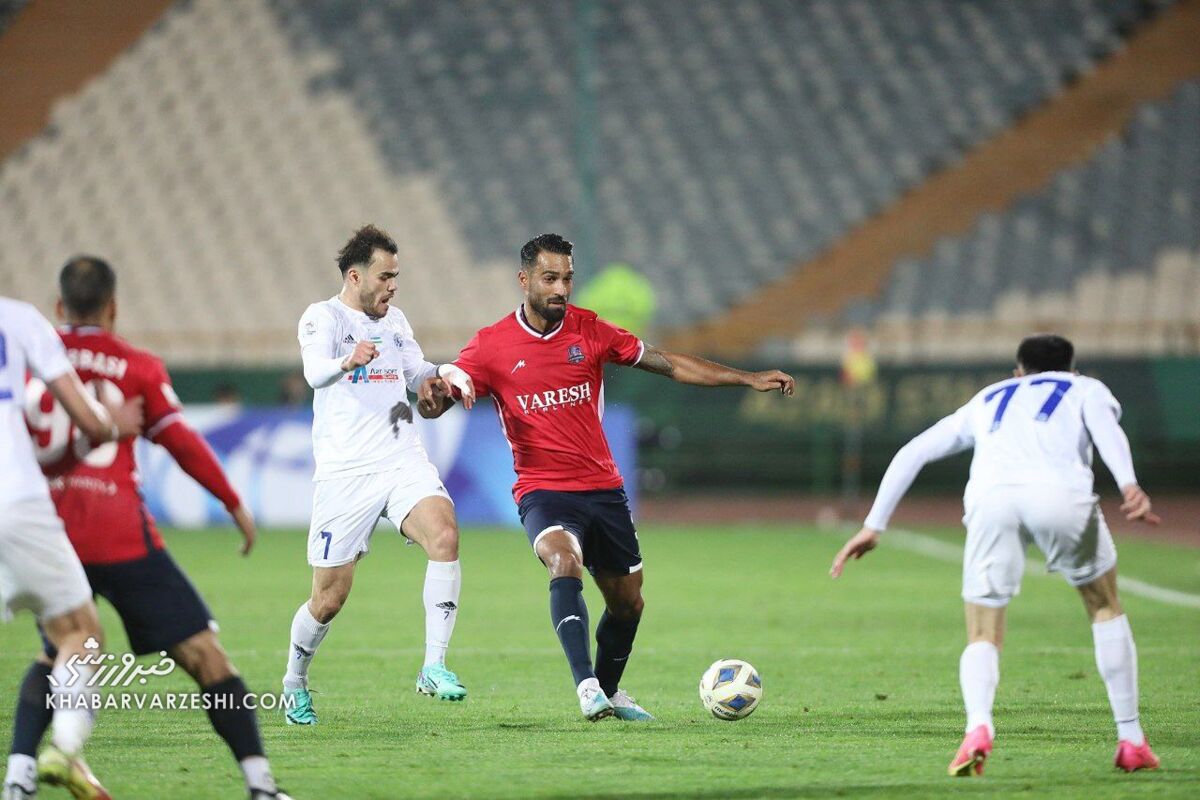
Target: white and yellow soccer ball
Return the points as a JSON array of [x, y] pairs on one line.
[[730, 689]]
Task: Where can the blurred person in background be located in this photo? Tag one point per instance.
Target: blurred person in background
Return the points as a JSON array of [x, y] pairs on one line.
[[623, 296]]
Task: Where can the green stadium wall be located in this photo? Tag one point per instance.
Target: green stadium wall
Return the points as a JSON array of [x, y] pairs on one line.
[[728, 439]]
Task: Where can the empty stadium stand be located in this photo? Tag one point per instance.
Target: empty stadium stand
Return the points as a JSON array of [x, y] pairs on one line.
[[735, 139], [1109, 252], [222, 159]]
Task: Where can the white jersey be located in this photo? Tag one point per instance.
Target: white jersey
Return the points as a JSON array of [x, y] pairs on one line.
[[362, 420], [1037, 429], [27, 342]]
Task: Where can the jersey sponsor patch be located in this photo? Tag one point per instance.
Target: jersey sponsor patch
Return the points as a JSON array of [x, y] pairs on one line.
[[554, 399], [365, 375], [310, 328]]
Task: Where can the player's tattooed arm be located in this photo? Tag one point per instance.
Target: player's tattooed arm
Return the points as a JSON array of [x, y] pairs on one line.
[[656, 361], [698, 371]]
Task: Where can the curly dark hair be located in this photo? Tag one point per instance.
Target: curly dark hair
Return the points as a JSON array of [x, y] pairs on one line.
[[362, 244], [546, 242]]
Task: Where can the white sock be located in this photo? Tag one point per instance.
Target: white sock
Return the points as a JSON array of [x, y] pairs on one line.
[[443, 582], [22, 770], [1116, 658], [978, 674], [73, 714], [258, 774], [307, 634]]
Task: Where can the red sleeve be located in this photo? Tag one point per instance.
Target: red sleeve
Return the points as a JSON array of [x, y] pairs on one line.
[[197, 459], [161, 405], [618, 345], [471, 361]]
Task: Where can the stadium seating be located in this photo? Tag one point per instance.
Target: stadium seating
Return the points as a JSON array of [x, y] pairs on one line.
[[202, 166], [241, 142], [733, 139], [1109, 251]]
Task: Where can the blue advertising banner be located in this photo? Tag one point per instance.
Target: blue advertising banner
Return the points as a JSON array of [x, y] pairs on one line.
[[267, 454]]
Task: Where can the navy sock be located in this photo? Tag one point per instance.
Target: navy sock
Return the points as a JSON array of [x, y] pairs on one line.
[[569, 616], [614, 643], [232, 719], [32, 717]]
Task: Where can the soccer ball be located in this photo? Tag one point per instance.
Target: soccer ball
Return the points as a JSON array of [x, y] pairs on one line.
[[730, 689]]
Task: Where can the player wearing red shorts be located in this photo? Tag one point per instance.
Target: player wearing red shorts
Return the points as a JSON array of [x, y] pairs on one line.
[[96, 492], [543, 366]]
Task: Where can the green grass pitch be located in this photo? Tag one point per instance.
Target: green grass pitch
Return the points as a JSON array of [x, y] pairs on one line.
[[860, 679]]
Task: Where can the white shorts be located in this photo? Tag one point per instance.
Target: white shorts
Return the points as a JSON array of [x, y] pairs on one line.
[[345, 510], [1068, 527], [39, 570]]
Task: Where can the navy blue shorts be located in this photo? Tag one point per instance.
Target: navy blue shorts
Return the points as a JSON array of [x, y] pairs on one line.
[[156, 602], [599, 519]]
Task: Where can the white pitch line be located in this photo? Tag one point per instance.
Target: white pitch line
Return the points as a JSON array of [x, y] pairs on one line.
[[945, 551]]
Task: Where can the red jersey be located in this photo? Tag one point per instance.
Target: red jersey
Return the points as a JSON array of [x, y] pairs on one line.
[[548, 390], [97, 490]]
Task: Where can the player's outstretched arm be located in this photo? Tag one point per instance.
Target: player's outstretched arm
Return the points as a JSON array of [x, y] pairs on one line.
[[193, 455], [1100, 415], [246, 524], [702, 372], [946, 437], [858, 546]]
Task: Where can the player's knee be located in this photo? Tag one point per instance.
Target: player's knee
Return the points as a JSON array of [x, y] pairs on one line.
[[563, 563], [629, 608], [202, 657], [326, 606], [443, 545]]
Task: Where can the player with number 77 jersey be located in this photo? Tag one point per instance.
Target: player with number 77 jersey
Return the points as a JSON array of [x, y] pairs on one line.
[[1031, 482]]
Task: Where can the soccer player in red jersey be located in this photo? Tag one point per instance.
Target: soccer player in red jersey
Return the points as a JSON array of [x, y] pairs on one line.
[[543, 366], [96, 492]]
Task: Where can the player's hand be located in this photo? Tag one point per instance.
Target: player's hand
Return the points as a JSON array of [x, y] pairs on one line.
[[128, 417], [245, 522], [858, 546], [432, 397], [364, 353], [1137, 505], [773, 380], [460, 380]]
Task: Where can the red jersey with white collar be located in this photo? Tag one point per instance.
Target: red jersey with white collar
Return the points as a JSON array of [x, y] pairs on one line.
[[548, 389], [97, 490]]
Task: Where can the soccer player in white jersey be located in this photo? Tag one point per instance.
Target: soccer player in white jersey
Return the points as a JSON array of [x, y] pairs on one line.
[[361, 358], [1031, 481], [39, 570]]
